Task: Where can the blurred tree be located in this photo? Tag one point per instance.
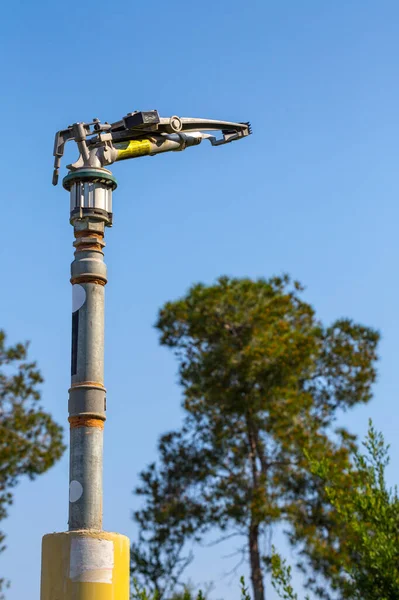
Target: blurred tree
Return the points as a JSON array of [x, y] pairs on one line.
[[157, 558], [262, 381], [30, 441], [367, 568]]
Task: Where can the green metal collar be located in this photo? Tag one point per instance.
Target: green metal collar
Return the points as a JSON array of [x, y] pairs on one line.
[[94, 175]]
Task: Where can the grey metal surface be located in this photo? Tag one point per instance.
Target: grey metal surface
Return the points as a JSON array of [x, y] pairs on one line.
[[85, 466], [101, 156], [90, 334], [87, 393], [90, 195], [96, 141]]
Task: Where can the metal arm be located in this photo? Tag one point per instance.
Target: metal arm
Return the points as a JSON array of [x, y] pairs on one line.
[[140, 134]]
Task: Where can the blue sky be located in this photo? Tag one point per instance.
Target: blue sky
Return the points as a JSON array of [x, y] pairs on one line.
[[313, 192]]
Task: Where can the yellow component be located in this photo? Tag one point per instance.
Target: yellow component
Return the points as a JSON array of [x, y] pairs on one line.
[[85, 565], [132, 149]]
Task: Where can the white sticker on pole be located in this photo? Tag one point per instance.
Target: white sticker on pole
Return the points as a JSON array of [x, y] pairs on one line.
[[91, 560], [75, 491], [78, 297]]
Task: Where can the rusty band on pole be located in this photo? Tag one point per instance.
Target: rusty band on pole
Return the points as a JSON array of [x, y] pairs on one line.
[[88, 247], [87, 384], [88, 241], [85, 421], [87, 279], [88, 233]]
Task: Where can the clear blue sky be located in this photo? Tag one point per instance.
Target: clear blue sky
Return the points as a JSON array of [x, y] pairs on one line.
[[313, 192]]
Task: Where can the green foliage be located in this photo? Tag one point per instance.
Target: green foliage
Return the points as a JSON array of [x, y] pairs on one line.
[[281, 577], [139, 593], [187, 593], [244, 590], [369, 514], [262, 380], [30, 441], [367, 560]]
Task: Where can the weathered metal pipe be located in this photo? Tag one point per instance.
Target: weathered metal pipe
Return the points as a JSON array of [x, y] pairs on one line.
[[87, 392], [86, 562], [90, 212]]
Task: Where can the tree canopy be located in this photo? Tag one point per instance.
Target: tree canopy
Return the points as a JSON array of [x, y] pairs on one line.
[[262, 382], [30, 441]]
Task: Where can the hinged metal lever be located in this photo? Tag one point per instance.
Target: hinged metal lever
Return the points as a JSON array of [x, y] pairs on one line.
[[229, 135], [61, 137], [190, 124], [136, 124], [141, 126], [77, 132]]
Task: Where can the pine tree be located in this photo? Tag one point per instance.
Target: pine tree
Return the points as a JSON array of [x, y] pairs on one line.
[[262, 380]]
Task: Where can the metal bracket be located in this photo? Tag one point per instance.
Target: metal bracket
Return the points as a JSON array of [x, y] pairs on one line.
[[100, 143]]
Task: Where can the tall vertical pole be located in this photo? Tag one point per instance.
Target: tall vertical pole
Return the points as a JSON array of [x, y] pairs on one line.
[[87, 563], [87, 392]]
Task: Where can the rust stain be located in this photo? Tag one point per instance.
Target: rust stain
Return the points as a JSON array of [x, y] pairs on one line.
[[86, 246], [87, 233], [88, 240], [85, 421], [87, 279], [96, 384]]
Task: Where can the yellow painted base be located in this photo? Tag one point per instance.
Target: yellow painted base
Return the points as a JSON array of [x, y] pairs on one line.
[[85, 565]]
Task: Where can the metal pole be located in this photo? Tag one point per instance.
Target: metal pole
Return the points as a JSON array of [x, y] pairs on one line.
[[91, 211], [86, 562]]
